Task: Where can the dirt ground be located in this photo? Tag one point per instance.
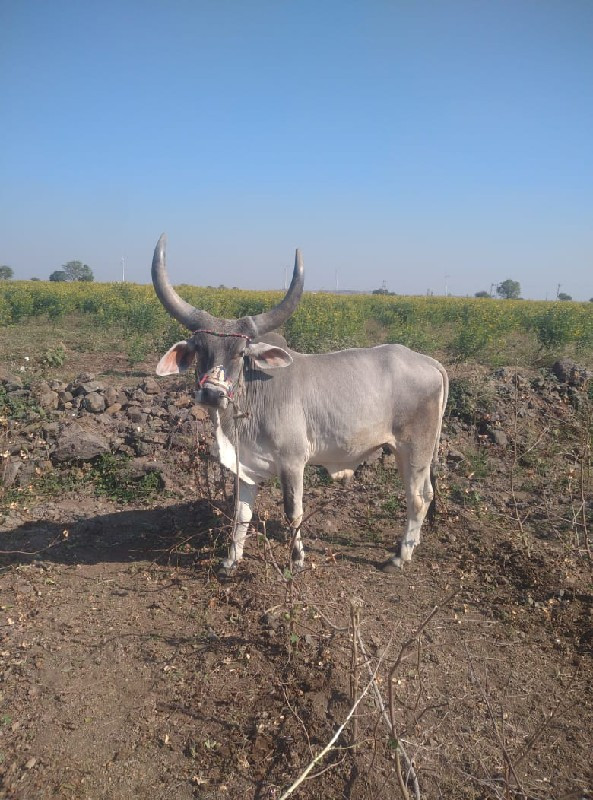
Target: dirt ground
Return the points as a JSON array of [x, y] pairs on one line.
[[130, 671]]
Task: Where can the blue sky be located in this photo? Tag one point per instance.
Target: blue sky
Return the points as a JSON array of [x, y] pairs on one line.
[[424, 144]]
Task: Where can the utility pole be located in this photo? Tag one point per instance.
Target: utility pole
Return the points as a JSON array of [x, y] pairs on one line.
[[446, 286], [337, 284], [123, 269]]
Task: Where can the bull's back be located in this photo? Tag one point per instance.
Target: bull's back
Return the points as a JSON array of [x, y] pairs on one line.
[[349, 403]]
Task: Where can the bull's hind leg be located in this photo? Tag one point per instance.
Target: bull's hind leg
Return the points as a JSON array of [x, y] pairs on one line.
[[292, 489], [419, 494], [247, 494]]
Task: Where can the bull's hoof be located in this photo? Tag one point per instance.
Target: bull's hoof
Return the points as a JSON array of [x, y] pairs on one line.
[[392, 566], [224, 572]]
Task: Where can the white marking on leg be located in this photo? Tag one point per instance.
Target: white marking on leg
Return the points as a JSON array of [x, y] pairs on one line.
[[247, 494], [419, 494]]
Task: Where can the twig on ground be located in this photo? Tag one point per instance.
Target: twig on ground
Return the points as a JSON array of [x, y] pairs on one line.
[[355, 606], [303, 776]]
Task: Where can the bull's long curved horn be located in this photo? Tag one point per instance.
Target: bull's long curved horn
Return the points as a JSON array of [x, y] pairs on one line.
[[193, 318], [277, 316]]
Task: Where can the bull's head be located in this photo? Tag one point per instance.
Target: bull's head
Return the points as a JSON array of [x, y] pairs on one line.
[[218, 347]]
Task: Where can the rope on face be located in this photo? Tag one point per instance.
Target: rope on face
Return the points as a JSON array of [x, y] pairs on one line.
[[216, 376]]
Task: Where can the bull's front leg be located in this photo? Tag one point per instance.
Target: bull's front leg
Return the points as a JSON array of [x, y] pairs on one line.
[[292, 490], [247, 494]]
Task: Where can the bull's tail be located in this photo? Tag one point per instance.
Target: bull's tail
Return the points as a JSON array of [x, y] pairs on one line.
[[432, 509], [431, 514]]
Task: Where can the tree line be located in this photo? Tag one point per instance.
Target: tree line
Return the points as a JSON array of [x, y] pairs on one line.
[[70, 271], [511, 290]]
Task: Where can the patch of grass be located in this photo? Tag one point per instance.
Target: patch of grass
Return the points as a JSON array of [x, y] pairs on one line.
[[54, 356], [466, 497], [111, 478], [51, 484], [392, 505], [18, 408], [467, 401], [138, 349], [478, 463]]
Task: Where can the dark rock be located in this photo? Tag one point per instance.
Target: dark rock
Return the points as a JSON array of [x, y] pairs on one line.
[[91, 387], [111, 396], [138, 468], [10, 472], [12, 382], [142, 448], [504, 374], [150, 386], [94, 402], [48, 399], [568, 371], [455, 455], [498, 436], [76, 443], [18, 394], [136, 415], [40, 388]]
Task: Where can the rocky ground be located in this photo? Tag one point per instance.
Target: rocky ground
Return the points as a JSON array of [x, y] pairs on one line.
[[129, 670]]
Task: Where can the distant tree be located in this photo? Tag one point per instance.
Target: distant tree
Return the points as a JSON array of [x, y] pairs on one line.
[[6, 273], [58, 275], [382, 290], [34, 279], [564, 296], [77, 271], [509, 290], [482, 294]]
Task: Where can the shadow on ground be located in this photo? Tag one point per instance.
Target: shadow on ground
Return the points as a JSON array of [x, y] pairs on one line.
[[183, 533]]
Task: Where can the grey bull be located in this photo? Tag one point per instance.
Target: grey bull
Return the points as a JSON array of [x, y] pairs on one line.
[[284, 409]]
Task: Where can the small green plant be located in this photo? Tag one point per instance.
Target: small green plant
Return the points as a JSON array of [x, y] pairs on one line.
[[478, 464], [138, 349], [392, 505], [54, 356], [17, 407], [466, 496], [467, 400]]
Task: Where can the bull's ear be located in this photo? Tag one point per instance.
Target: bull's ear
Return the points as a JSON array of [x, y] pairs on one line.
[[178, 359], [267, 356]]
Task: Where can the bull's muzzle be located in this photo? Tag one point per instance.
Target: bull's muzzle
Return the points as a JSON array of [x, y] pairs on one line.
[[214, 389]]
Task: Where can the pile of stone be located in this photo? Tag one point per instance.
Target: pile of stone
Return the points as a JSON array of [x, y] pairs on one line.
[[54, 423]]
